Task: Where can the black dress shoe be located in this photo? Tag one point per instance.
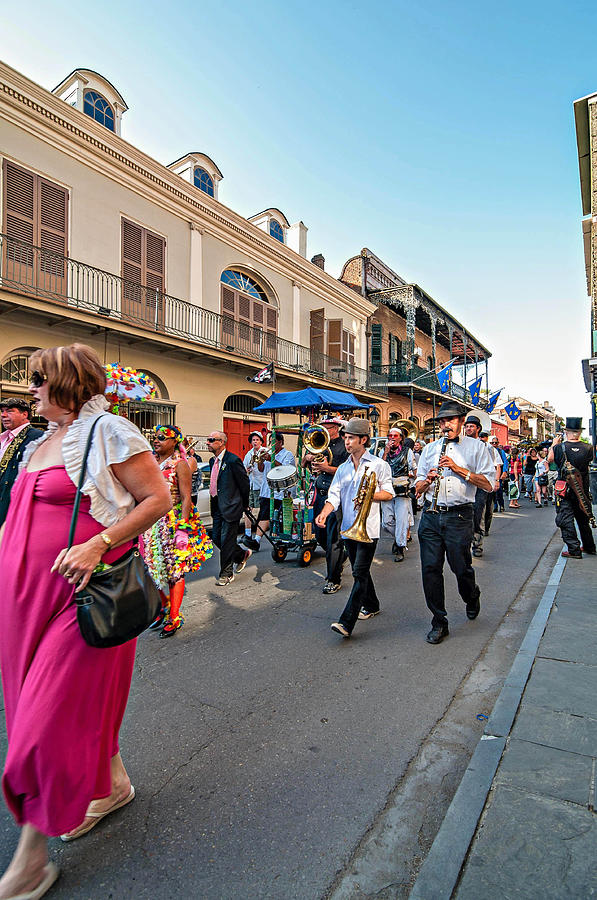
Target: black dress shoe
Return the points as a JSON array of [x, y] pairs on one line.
[[437, 634], [399, 554], [473, 609], [394, 547]]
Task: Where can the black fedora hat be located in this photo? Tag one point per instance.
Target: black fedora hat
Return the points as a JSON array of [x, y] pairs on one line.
[[574, 423], [472, 419], [449, 409]]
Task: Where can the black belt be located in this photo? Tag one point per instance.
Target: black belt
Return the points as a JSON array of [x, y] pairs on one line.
[[442, 508]]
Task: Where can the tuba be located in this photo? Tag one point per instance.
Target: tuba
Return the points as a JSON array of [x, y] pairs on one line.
[[316, 440], [362, 504], [412, 430]]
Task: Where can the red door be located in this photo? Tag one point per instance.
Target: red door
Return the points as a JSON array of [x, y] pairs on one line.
[[238, 434]]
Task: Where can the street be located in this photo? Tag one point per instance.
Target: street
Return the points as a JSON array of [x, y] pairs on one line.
[[262, 746]]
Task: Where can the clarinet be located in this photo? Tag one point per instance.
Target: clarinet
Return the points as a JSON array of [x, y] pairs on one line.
[[438, 477]]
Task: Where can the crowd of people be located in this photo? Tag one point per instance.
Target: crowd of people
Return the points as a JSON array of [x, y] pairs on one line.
[[65, 700]]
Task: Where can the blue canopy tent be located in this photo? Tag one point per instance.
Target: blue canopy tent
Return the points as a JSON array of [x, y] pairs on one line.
[[310, 398]]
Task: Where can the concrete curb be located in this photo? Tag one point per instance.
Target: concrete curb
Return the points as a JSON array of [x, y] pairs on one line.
[[440, 871]]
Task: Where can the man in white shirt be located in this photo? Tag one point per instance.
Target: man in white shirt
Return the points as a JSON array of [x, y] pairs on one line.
[[363, 602], [448, 475], [283, 457], [483, 511], [254, 463]]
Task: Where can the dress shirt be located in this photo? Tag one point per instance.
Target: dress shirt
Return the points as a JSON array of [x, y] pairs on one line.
[[284, 458], [345, 485], [255, 476], [495, 455], [8, 436], [470, 453]]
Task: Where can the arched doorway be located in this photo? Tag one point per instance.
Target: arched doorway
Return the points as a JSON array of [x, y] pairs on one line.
[[242, 421]]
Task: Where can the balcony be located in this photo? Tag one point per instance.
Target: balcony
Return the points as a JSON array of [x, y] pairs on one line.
[[34, 272], [402, 375]]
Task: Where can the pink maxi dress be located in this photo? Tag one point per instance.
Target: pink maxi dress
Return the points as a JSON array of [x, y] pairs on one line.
[[64, 700]]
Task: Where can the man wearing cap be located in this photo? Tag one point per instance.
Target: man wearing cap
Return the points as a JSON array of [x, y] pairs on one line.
[[329, 537], [362, 602], [397, 512], [462, 464], [17, 433], [569, 508], [498, 501]]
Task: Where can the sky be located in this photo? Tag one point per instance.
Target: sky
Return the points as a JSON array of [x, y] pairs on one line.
[[440, 137]]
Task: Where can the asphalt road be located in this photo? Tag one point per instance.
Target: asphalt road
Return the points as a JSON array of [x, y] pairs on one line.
[[262, 745]]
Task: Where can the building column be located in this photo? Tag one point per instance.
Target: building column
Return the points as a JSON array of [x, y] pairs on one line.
[[296, 313], [364, 347], [196, 266], [433, 340], [411, 314], [464, 356]]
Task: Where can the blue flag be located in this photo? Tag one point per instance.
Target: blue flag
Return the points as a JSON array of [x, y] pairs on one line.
[[512, 410], [475, 389], [443, 376], [492, 401]]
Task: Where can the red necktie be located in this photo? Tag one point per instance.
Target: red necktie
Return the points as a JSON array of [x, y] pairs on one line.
[[213, 480]]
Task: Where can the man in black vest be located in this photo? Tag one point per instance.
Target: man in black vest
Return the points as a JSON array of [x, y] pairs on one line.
[[17, 433], [570, 509], [229, 497]]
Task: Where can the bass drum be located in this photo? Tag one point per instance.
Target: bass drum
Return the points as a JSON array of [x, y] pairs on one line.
[[282, 478]]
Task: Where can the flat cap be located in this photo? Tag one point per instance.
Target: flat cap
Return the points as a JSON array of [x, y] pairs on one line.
[[357, 426], [15, 403]]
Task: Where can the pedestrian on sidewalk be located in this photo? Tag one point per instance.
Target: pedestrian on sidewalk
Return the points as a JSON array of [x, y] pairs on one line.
[[229, 489], [514, 468], [498, 504], [17, 434], [363, 602], [448, 475], [530, 464], [573, 457], [64, 700]]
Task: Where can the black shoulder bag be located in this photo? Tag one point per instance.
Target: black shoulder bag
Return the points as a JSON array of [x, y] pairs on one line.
[[121, 602]]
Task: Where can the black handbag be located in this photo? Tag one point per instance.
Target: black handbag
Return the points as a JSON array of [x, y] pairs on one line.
[[120, 602]]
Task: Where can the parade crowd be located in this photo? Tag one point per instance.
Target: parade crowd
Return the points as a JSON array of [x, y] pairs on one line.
[[65, 700]]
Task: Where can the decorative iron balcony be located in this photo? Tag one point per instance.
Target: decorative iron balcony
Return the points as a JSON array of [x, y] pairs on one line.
[[36, 272], [397, 374]]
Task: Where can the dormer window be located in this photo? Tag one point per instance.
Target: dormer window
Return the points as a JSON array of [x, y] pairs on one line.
[[276, 230], [204, 181], [98, 108]]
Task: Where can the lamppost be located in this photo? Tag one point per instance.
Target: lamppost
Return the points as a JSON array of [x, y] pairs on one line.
[[374, 418]]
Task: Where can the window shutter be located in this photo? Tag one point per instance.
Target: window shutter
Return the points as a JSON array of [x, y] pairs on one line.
[[228, 302], [19, 204], [155, 256], [351, 341], [244, 309], [271, 321], [317, 330], [132, 258], [53, 217], [335, 338], [376, 344], [257, 314], [348, 347]]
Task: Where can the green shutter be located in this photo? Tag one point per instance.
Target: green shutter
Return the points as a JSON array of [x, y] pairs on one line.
[[376, 346]]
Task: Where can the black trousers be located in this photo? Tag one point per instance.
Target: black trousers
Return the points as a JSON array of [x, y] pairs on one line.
[[568, 512], [447, 534], [330, 541], [224, 537], [363, 590], [488, 512], [498, 498]]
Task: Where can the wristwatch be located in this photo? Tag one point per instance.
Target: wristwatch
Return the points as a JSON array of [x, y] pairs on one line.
[[106, 539]]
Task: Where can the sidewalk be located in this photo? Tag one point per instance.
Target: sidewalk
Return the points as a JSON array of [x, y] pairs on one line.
[[522, 822]]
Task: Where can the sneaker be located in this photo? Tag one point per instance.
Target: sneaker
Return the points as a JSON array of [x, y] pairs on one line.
[[224, 580], [477, 553], [340, 629], [368, 615], [238, 567], [330, 588]]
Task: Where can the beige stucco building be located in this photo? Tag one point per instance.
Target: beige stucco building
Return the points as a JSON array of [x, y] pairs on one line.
[[144, 262]]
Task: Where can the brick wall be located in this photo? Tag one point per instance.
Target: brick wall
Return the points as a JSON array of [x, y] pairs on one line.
[[393, 323]]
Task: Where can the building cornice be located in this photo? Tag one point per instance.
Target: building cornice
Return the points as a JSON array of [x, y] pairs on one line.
[[38, 111]]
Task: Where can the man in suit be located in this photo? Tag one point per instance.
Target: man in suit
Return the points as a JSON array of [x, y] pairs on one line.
[[17, 433], [229, 496]]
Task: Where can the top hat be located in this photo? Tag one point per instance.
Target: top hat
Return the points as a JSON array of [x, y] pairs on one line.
[[357, 426], [574, 423], [473, 420], [15, 403], [449, 409]]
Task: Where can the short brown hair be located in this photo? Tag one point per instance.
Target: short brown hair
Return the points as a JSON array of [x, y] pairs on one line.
[[74, 374]]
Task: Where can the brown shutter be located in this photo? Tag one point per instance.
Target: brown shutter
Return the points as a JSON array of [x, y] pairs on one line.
[[228, 302], [155, 256], [317, 330], [132, 259], [244, 309], [19, 204], [271, 322], [53, 208], [335, 338], [258, 313]]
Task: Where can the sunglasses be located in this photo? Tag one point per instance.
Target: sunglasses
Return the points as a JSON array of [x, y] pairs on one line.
[[212, 440], [37, 379], [163, 437]]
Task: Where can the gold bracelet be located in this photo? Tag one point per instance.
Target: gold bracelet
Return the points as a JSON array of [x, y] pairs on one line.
[[106, 539]]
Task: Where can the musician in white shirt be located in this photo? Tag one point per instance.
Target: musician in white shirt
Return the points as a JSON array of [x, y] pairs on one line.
[[363, 602], [283, 457], [446, 527]]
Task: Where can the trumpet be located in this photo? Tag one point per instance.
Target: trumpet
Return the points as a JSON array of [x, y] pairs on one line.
[[362, 504], [258, 456], [316, 440]]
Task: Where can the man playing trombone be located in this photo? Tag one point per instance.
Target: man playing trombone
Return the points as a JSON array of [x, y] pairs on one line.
[[449, 472], [359, 486]]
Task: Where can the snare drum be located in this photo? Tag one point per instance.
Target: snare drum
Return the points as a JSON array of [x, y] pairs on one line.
[[282, 478]]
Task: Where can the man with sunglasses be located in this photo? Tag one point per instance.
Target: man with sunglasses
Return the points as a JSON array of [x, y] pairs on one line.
[[229, 489], [17, 433]]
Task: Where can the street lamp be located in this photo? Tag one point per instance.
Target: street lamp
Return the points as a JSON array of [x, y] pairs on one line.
[[374, 418]]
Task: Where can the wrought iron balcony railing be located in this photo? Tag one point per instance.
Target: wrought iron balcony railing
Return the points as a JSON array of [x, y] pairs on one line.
[[36, 272], [397, 374]]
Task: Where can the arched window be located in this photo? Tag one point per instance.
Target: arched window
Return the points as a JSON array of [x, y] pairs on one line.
[[241, 403], [15, 368], [255, 323], [276, 230], [244, 283], [98, 108], [204, 181]]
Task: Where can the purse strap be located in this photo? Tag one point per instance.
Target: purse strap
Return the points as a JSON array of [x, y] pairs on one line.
[[75, 515]]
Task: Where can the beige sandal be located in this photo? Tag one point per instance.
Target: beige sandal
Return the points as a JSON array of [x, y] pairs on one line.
[[51, 873], [95, 818]]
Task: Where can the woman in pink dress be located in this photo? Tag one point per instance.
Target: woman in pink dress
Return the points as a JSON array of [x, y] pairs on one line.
[[64, 700]]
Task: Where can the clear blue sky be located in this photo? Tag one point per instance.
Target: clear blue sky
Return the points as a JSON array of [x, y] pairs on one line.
[[442, 138]]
